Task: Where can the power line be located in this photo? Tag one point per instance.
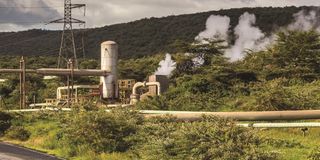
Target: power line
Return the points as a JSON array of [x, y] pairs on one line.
[[33, 7], [21, 22], [68, 46]]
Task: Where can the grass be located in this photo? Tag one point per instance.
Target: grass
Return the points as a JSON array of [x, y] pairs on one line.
[[291, 144], [308, 142]]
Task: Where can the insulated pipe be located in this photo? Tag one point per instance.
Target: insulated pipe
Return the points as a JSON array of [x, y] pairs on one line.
[[138, 85], [155, 84], [60, 72], [17, 71], [281, 125], [135, 96], [145, 84], [75, 72], [241, 116]]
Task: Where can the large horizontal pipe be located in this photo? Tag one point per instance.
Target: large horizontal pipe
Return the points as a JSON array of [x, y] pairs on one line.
[[241, 116], [281, 125], [76, 72], [60, 72], [248, 125], [17, 71]]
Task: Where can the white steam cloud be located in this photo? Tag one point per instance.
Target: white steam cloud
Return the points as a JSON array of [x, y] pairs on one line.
[[166, 66], [305, 21], [216, 27], [248, 37]]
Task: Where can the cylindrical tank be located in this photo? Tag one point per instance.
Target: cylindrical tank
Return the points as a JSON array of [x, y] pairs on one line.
[[109, 61]]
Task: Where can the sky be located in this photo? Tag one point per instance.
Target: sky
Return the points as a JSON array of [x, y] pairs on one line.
[[16, 15]]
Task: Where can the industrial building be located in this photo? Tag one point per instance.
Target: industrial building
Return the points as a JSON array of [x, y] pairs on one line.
[[111, 90]]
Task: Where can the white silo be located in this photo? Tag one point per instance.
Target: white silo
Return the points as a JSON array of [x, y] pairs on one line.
[[109, 61]]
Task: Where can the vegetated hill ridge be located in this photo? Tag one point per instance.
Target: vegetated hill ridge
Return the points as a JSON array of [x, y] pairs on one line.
[[141, 37]]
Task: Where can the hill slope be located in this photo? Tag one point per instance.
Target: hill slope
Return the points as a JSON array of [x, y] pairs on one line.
[[142, 37]]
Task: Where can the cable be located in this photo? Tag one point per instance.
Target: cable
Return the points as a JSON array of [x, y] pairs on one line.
[[33, 7], [21, 22]]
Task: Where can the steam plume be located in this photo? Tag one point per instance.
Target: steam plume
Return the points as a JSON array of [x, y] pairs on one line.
[[305, 21], [216, 27], [248, 37], [166, 66]]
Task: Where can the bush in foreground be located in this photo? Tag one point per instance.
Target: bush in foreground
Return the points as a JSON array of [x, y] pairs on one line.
[[18, 133], [211, 138], [5, 122], [101, 132], [315, 154]]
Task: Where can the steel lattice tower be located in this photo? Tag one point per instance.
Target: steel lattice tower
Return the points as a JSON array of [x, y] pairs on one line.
[[68, 47]]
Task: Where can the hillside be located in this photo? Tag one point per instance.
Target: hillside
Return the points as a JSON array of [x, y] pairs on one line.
[[142, 37]]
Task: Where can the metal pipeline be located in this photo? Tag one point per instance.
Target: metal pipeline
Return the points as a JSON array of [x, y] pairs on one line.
[[75, 72], [241, 116], [60, 72], [135, 97], [17, 71], [281, 125]]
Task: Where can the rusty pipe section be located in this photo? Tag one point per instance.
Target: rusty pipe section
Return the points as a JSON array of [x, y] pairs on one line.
[[75, 72], [60, 72], [17, 71], [241, 116]]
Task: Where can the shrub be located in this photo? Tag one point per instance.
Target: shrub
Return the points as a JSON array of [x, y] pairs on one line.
[[315, 154], [18, 133], [278, 94], [211, 138], [283, 143], [5, 122], [101, 131]]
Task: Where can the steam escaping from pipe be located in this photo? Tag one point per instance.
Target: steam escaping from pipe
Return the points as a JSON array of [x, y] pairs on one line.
[[305, 21], [248, 36], [166, 66], [216, 27]]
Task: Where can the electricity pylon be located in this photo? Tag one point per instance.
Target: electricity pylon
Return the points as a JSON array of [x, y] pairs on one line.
[[68, 47]]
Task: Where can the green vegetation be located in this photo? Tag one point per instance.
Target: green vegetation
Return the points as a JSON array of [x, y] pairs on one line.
[[285, 76], [126, 134], [18, 133], [315, 154], [143, 37], [282, 77], [5, 122], [122, 134]]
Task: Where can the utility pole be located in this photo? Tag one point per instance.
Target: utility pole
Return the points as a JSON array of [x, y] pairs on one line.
[[22, 83], [70, 84], [68, 47]]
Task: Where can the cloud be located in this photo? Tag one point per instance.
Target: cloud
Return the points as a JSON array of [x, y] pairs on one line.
[[106, 12], [25, 13]]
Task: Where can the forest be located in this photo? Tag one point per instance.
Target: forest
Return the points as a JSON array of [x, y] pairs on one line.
[[142, 37]]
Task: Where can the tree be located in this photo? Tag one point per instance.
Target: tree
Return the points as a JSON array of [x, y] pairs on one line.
[[297, 49]]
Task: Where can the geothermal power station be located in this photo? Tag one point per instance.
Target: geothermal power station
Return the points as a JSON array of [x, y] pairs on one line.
[[111, 90]]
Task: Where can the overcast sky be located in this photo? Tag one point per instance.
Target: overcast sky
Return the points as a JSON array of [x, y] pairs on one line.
[[27, 14]]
